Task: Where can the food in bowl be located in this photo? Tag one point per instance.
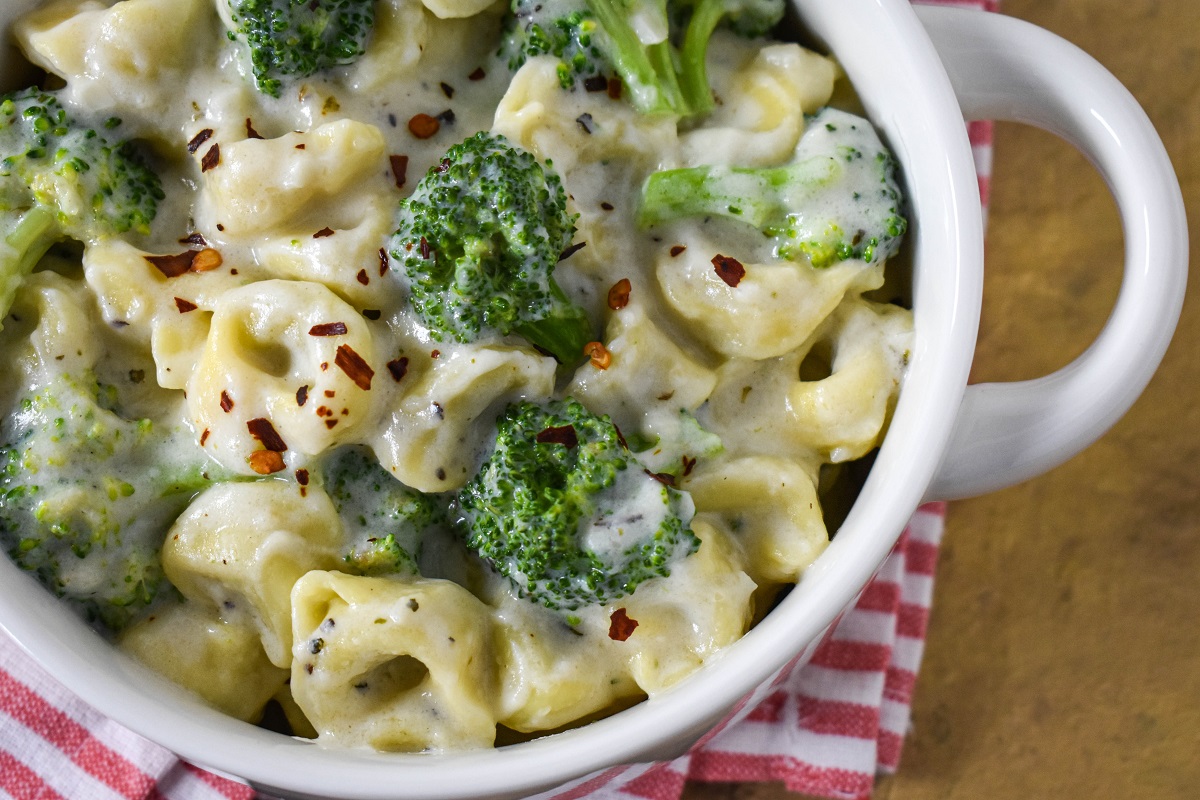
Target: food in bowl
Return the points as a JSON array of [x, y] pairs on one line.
[[442, 375]]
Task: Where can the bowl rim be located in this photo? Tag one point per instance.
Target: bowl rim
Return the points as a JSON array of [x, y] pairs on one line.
[[907, 94]]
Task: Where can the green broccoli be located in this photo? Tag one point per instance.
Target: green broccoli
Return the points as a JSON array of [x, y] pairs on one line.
[[636, 40], [385, 521], [563, 510], [297, 38], [837, 199], [59, 179], [748, 18], [85, 495], [479, 240]]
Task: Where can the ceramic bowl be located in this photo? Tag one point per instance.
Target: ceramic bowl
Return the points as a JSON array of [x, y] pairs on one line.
[[917, 72]]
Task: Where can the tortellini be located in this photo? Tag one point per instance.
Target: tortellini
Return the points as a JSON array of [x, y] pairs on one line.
[[287, 366], [240, 547], [258, 184], [393, 665]]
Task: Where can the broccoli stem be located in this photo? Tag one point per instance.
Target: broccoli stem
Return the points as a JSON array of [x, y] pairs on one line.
[[759, 197], [26, 243], [648, 71], [693, 55], [563, 334]]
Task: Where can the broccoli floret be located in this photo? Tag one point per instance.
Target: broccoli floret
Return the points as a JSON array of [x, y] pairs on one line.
[[85, 495], [636, 40], [837, 199], [479, 240], [563, 510], [297, 38], [385, 521], [59, 179]]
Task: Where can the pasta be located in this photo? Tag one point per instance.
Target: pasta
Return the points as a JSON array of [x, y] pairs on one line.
[[237, 439]]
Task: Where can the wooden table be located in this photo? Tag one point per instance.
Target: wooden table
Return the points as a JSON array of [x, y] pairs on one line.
[[1063, 657]]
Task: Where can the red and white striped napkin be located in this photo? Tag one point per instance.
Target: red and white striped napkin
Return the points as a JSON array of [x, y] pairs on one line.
[[827, 729]]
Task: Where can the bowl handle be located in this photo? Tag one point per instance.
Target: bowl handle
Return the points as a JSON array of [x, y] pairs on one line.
[[1006, 69]]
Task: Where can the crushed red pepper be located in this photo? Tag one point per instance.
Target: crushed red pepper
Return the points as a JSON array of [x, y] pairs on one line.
[[688, 465], [207, 260], [328, 329], [302, 395], [398, 368], [211, 158], [250, 132], [598, 353], [665, 478], [324, 232], [477, 75], [302, 477], [262, 429], [383, 261], [226, 402], [172, 266], [564, 435], [185, 306], [621, 625], [614, 88], [199, 139], [618, 295], [399, 169], [266, 462], [572, 250], [354, 366], [204, 437], [677, 249], [194, 238], [362, 278], [423, 126], [729, 269]]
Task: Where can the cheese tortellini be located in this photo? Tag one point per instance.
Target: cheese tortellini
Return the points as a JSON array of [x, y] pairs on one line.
[[297, 532]]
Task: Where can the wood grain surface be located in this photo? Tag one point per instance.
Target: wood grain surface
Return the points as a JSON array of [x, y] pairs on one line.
[[1063, 657]]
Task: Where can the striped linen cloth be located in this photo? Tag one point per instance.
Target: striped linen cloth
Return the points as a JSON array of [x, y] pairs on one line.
[[827, 728]]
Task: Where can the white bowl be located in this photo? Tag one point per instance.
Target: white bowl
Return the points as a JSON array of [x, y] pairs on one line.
[[945, 440]]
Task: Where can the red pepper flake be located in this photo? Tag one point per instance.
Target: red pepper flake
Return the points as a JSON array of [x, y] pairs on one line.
[[435, 354], [621, 626], [199, 139], [362, 278], [729, 269], [383, 261], [564, 435], [329, 423], [426, 252], [300, 146], [596, 83], [173, 266], [398, 368], [204, 437], [353, 365], [226, 402], [677, 249], [618, 295], [621, 437], [220, 227], [302, 477], [211, 159], [250, 132], [572, 250], [607, 206], [688, 465], [598, 353], [302, 395], [185, 306], [614, 88], [328, 329], [399, 169], [323, 233], [330, 393], [266, 462], [447, 90], [265, 432], [207, 260], [324, 411], [665, 478], [477, 75], [423, 126], [194, 238]]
